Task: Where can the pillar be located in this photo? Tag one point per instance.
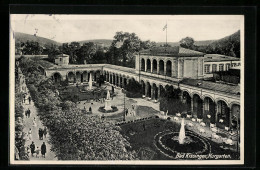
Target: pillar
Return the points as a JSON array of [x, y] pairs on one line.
[[146, 89], [145, 65], [152, 92], [216, 111], [191, 102], [158, 67], [159, 91], [151, 66], [203, 107], [164, 67], [123, 82], [230, 117]]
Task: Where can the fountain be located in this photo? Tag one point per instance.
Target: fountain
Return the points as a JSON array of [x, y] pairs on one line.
[[173, 143], [182, 132], [108, 108], [108, 102]]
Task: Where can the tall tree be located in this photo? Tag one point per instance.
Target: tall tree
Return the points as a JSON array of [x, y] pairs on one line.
[[187, 42], [32, 48], [86, 52]]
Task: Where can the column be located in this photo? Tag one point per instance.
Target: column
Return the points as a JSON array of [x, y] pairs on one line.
[[113, 79], [191, 102], [203, 108], [152, 66], [123, 82], [158, 92], [216, 111], [145, 65], [158, 67], [152, 92], [146, 89], [230, 117], [164, 67]]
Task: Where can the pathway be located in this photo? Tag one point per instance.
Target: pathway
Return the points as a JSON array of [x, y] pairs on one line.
[[28, 123]]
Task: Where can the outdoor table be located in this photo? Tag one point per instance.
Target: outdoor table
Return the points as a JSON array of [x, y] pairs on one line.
[[199, 120], [175, 118], [190, 124], [193, 119], [188, 116], [178, 114], [212, 125], [203, 124], [214, 129], [201, 130], [229, 142]]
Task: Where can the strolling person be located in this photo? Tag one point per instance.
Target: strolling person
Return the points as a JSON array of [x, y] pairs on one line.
[[40, 133], [30, 134], [29, 98], [43, 149], [45, 132], [37, 151], [24, 98], [34, 122], [90, 109], [28, 112], [32, 146]]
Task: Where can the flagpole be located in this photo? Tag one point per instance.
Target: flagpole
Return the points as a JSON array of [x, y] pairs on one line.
[[166, 33]]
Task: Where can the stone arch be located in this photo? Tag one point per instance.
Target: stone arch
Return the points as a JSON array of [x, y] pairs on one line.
[[57, 77], [197, 106], [142, 64], [235, 115], [209, 109], [78, 76], [169, 68], [143, 87], [84, 76], [148, 91], [161, 67], [154, 66], [223, 112], [71, 77], [148, 65]]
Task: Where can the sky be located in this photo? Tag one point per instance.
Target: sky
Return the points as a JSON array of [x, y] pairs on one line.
[[67, 28]]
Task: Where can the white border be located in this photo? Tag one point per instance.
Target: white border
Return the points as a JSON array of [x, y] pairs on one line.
[[140, 162]]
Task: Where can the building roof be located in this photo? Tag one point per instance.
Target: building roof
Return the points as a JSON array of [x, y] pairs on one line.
[[219, 57], [171, 51], [218, 87], [61, 55]]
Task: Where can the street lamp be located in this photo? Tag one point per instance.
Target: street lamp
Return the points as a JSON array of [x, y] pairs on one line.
[[123, 90]]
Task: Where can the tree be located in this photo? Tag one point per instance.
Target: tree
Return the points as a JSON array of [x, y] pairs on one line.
[[130, 43], [86, 52], [32, 48], [52, 51], [187, 42]]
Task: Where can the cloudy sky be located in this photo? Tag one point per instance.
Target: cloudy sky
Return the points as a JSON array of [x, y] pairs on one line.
[[67, 28]]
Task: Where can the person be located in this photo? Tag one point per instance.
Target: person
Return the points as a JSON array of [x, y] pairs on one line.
[[32, 146], [28, 112], [37, 152], [29, 98], [34, 122], [39, 133], [90, 109], [126, 112], [24, 98], [45, 132], [144, 127], [43, 149], [113, 90], [30, 134]]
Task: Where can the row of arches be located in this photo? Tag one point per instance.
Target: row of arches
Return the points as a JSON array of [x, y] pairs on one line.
[[157, 67], [203, 107], [77, 77]]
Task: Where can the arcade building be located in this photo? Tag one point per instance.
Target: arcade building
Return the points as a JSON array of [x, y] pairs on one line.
[[211, 102]]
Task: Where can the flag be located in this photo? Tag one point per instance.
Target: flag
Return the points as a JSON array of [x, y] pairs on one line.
[[164, 27]]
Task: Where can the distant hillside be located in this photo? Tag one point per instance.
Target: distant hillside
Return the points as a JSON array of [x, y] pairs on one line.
[[229, 45], [22, 37], [105, 42]]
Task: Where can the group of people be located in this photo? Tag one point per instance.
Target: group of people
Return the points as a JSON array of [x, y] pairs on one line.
[[29, 99], [42, 132], [37, 151], [27, 113]]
